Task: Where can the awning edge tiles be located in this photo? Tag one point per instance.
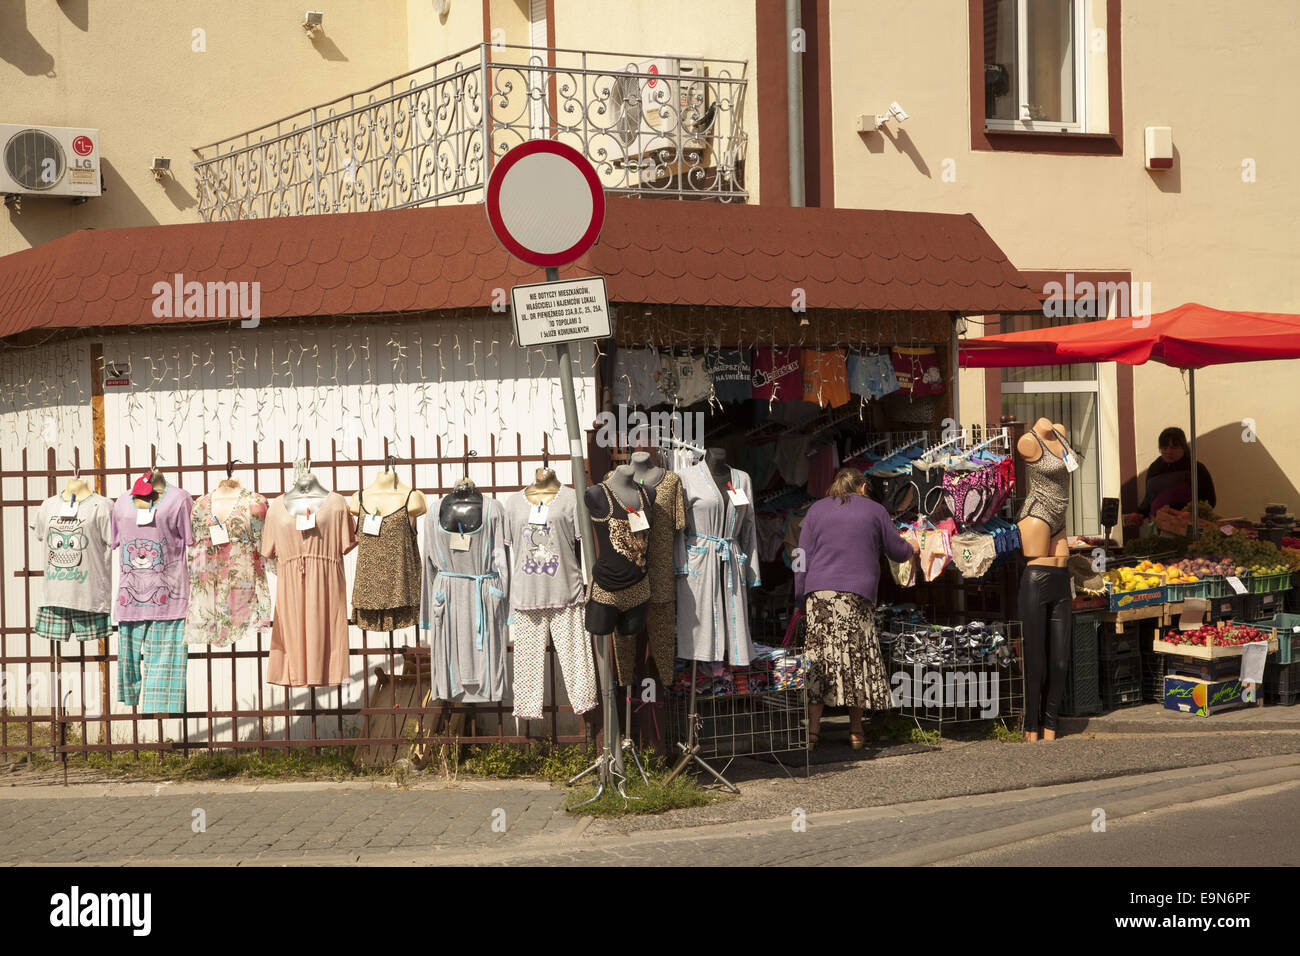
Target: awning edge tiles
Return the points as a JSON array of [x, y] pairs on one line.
[[443, 258]]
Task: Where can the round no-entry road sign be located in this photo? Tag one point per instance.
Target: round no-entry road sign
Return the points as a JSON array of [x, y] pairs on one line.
[[545, 203]]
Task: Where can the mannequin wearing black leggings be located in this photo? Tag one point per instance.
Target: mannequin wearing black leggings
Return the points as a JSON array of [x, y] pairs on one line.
[[1045, 617]]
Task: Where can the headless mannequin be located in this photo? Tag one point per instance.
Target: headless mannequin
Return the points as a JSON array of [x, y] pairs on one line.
[[307, 494], [78, 488], [462, 510], [625, 487], [145, 502], [544, 488], [224, 497], [1036, 540], [386, 495], [1037, 543], [645, 471], [716, 461]]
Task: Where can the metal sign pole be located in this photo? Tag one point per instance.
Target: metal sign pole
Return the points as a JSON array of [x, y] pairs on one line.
[[611, 756]]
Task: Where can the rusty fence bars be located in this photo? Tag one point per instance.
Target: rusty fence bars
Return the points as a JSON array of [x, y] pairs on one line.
[[277, 721]]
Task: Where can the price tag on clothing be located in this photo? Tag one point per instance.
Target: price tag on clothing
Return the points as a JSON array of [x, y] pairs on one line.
[[537, 514], [1071, 463], [144, 516], [371, 524], [69, 509], [1073, 593], [305, 522], [737, 496], [1234, 582], [459, 541], [636, 521], [218, 533]]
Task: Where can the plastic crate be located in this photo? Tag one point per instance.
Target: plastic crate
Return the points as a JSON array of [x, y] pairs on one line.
[[1266, 583], [1282, 682], [1288, 641], [1179, 592], [1227, 607], [1123, 695], [1082, 681], [1121, 682], [1216, 585], [1260, 607], [1123, 600], [1293, 596], [1219, 668], [1112, 646], [1153, 677]]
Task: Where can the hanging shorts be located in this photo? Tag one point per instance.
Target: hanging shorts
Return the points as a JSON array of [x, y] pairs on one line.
[[871, 375], [67, 624], [151, 660]]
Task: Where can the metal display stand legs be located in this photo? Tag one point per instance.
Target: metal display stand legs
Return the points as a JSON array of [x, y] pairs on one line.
[[609, 763], [691, 749]]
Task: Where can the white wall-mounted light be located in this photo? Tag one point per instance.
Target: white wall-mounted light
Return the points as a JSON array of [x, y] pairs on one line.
[[868, 123], [162, 166], [313, 23]]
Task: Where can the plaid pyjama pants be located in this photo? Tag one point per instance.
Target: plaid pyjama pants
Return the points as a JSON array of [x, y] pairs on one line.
[[529, 631], [151, 661]]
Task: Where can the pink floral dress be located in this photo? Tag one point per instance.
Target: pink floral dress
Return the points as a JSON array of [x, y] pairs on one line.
[[229, 598]]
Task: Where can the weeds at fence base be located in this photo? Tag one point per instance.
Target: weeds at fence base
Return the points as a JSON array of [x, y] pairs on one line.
[[656, 798]]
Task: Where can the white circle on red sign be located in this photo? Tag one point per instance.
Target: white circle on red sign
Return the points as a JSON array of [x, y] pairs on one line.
[[82, 146], [545, 203]]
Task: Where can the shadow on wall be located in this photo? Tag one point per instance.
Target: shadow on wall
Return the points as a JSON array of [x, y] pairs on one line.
[[1246, 476], [328, 49], [19, 47], [77, 12], [1169, 180], [43, 219]]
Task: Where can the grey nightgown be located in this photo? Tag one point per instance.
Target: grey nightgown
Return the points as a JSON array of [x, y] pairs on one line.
[[716, 562], [463, 608]]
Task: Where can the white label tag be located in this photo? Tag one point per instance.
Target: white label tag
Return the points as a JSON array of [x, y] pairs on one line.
[[144, 516], [1235, 583], [1073, 594], [218, 534], [69, 509], [636, 521], [459, 542], [370, 524], [537, 514], [305, 522], [1071, 464], [737, 496]]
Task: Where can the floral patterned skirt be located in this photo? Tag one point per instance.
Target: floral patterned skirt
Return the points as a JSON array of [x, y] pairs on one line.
[[845, 667]]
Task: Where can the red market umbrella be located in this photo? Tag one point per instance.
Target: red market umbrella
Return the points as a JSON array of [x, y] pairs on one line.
[[1188, 337]]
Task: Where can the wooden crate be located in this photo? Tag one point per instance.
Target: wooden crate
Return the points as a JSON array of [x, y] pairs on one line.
[[1211, 651]]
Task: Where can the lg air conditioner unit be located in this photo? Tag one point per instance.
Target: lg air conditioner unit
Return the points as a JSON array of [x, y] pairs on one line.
[[664, 115], [49, 161]]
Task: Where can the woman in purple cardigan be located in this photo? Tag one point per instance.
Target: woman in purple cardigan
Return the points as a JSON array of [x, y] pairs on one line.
[[840, 544]]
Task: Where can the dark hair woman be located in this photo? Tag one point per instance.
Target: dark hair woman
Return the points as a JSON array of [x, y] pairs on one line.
[[836, 574], [1169, 478]]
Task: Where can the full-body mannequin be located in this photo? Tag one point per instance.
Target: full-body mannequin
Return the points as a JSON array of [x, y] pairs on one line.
[[1042, 549]]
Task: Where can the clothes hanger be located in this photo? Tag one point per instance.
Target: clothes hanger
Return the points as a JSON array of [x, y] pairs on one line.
[[466, 483]]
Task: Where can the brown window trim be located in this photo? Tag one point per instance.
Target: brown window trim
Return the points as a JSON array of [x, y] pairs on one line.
[[1027, 141]]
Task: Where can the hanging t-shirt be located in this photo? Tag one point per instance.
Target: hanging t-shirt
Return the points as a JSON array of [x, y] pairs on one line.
[[825, 377], [776, 375], [918, 371], [637, 375], [544, 571], [154, 584], [78, 570], [871, 375], [691, 379], [732, 374]]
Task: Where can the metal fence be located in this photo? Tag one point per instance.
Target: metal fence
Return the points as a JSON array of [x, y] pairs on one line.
[[665, 126], [280, 718]]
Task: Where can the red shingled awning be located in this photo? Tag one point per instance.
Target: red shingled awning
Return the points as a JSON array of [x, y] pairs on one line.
[[445, 257]]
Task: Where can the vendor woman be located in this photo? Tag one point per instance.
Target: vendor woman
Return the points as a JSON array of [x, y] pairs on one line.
[[1169, 479], [841, 541]]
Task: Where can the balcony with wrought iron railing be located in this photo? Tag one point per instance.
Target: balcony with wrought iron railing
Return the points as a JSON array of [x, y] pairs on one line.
[[666, 126]]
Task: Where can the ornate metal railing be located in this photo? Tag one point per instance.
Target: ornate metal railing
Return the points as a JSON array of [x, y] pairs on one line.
[[662, 126]]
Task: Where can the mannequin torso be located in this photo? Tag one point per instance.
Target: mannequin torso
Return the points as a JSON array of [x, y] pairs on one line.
[[307, 494], [544, 488], [145, 502], [78, 488], [462, 510], [645, 471], [224, 497], [1037, 540], [716, 461], [387, 495]]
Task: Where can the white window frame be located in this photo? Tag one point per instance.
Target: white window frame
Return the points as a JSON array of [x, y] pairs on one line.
[[1024, 124]]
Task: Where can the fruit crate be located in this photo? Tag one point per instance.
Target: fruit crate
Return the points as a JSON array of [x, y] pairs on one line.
[[1123, 600], [1194, 589], [1153, 678], [1216, 585], [1082, 687], [1293, 595], [1128, 694], [1112, 646], [1226, 607], [1191, 695], [1266, 583], [1282, 683], [1214, 651], [1121, 682], [1260, 607], [1288, 638]]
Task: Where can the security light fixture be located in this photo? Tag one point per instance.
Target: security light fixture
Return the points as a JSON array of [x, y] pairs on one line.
[[312, 23], [897, 112], [162, 166], [868, 122]]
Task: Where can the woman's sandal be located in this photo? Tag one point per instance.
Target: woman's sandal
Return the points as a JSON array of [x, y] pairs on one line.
[[814, 738], [857, 741]]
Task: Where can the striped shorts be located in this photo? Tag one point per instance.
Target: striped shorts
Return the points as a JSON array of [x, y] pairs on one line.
[[65, 623]]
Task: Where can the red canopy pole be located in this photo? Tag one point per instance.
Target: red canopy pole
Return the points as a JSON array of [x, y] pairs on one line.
[[1196, 501]]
